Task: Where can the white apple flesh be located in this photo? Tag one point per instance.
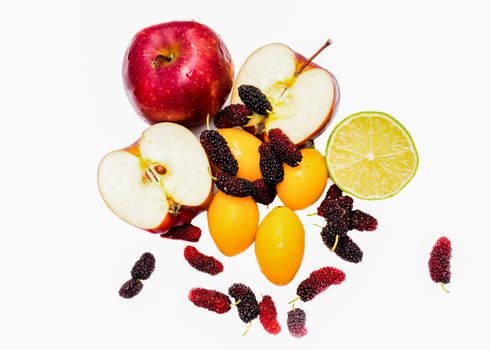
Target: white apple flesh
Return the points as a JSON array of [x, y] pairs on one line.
[[159, 182], [303, 99]]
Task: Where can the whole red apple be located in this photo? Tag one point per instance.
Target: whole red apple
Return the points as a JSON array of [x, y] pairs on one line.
[[177, 72]]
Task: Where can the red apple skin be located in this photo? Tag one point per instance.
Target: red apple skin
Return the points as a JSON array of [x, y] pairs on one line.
[[185, 216], [196, 82], [300, 60], [186, 213]]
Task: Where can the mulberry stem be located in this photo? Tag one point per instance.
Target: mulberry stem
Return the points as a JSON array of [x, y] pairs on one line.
[[247, 330], [209, 173], [336, 240], [443, 287], [294, 300]]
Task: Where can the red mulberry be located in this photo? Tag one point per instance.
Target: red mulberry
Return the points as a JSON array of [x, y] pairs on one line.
[[284, 147], [362, 221], [270, 166], [263, 193], [233, 115], [247, 306], [268, 315], [186, 232], [144, 267], [217, 149], [296, 322], [254, 99], [234, 186], [439, 263], [346, 249], [130, 288], [319, 281], [201, 262], [210, 299]]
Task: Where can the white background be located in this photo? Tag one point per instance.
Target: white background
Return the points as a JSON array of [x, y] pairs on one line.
[[63, 254]]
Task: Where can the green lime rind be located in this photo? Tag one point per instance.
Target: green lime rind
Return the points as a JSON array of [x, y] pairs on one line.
[[406, 132]]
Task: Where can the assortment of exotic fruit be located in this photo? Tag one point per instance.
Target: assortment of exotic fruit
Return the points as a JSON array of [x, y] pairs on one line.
[[262, 146]]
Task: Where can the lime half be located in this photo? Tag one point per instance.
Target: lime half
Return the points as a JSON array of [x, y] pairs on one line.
[[371, 155]]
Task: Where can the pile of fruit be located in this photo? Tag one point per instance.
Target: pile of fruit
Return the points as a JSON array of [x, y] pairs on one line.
[[180, 74]]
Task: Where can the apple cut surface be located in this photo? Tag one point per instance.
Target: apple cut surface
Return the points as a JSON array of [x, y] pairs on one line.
[[302, 109], [264, 68], [187, 179], [302, 103], [137, 202], [159, 182]]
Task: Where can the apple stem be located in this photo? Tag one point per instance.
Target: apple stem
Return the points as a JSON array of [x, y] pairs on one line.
[[160, 60], [294, 300], [247, 330], [305, 64], [336, 240], [443, 287], [309, 144]]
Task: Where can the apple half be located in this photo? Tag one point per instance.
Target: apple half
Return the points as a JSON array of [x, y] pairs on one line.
[[160, 181], [303, 99]]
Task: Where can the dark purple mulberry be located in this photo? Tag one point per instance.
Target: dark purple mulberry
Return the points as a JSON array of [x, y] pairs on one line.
[[247, 306], [210, 299], [346, 249], [201, 262], [319, 281], [332, 193], [234, 186], [339, 206], [254, 99], [338, 214], [339, 225], [296, 322], [439, 263], [269, 164], [217, 149], [232, 115], [284, 147], [130, 288], [263, 193], [362, 221], [144, 267]]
